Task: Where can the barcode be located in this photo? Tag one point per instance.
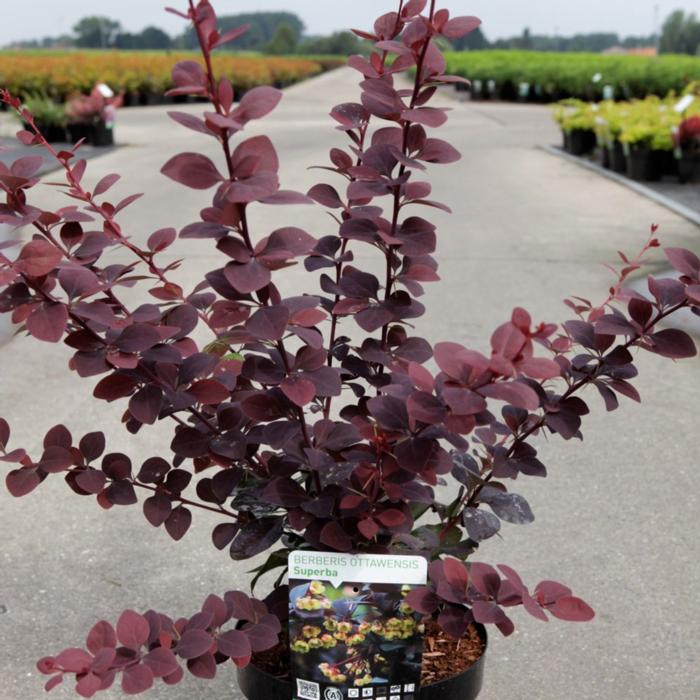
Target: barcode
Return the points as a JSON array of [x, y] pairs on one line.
[[307, 690]]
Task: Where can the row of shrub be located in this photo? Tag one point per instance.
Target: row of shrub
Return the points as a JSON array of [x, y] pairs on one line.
[[142, 76], [646, 139], [550, 77]]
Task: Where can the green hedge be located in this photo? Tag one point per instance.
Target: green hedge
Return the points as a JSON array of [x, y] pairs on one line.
[[555, 76]]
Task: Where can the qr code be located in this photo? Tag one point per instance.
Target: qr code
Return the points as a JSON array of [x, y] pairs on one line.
[[307, 690]]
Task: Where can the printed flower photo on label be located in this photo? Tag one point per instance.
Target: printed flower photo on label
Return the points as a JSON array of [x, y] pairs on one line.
[[355, 636]]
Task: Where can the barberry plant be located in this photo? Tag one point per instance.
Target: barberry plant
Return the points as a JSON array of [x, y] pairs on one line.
[[299, 436]]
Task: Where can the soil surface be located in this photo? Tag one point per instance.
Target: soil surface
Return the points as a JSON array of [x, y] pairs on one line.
[[443, 657]]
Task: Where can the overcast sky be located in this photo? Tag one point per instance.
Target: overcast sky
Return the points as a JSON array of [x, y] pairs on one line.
[[25, 19]]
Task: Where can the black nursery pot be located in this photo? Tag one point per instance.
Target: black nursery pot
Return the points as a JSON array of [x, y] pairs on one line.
[[670, 164], [689, 168], [618, 159], [78, 131], [259, 685], [645, 165], [101, 135], [96, 134], [581, 141], [51, 132]]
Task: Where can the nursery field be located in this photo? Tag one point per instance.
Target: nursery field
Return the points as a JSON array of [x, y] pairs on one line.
[[645, 139], [554, 76], [142, 75]]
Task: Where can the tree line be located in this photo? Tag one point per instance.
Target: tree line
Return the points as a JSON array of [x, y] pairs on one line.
[[283, 33], [680, 34], [270, 32]]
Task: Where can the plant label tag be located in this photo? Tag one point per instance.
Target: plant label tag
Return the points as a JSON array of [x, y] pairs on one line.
[[105, 90], [684, 103], [351, 632]]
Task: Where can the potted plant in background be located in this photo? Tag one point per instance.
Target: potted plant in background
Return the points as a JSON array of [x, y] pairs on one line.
[[577, 120], [300, 437], [608, 127], [646, 146], [91, 117], [615, 116], [50, 117], [687, 143], [647, 137]]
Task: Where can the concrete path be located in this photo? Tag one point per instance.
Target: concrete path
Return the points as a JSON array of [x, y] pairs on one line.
[[616, 519]]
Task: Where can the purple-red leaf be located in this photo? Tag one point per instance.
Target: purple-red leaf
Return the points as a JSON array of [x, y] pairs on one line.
[[686, 262], [248, 277], [162, 239], [137, 679], [189, 73], [161, 661], [516, 393], [132, 629], [423, 600], [192, 170], [190, 122], [268, 323], [104, 184], [673, 343], [100, 636], [48, 322], [38, 258], [4, 433], [56, 459], [203, 666], [459, 26], [326, 195], [438, 151], [261, 637], [21, 482], [194, 643], [257, 103], [231, 35], [88, 685], [298, 390], [234, 644], [145, 404], [91, 480], [572, 609], [178, 522], [333, 536]]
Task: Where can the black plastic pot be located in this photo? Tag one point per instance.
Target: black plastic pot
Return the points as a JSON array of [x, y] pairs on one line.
[[78, 131], [689, 168], [670, 164], [258, 685], [618, 159], [96, 134], [102, 135], [645, 165], [508, 91], [581, 141], [51, 132]]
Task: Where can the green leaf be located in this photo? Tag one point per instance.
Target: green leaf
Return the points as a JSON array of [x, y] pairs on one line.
[[277, 559]]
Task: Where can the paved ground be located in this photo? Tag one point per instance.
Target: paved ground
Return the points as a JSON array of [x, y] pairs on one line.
[[688, 195], [617, 519]]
